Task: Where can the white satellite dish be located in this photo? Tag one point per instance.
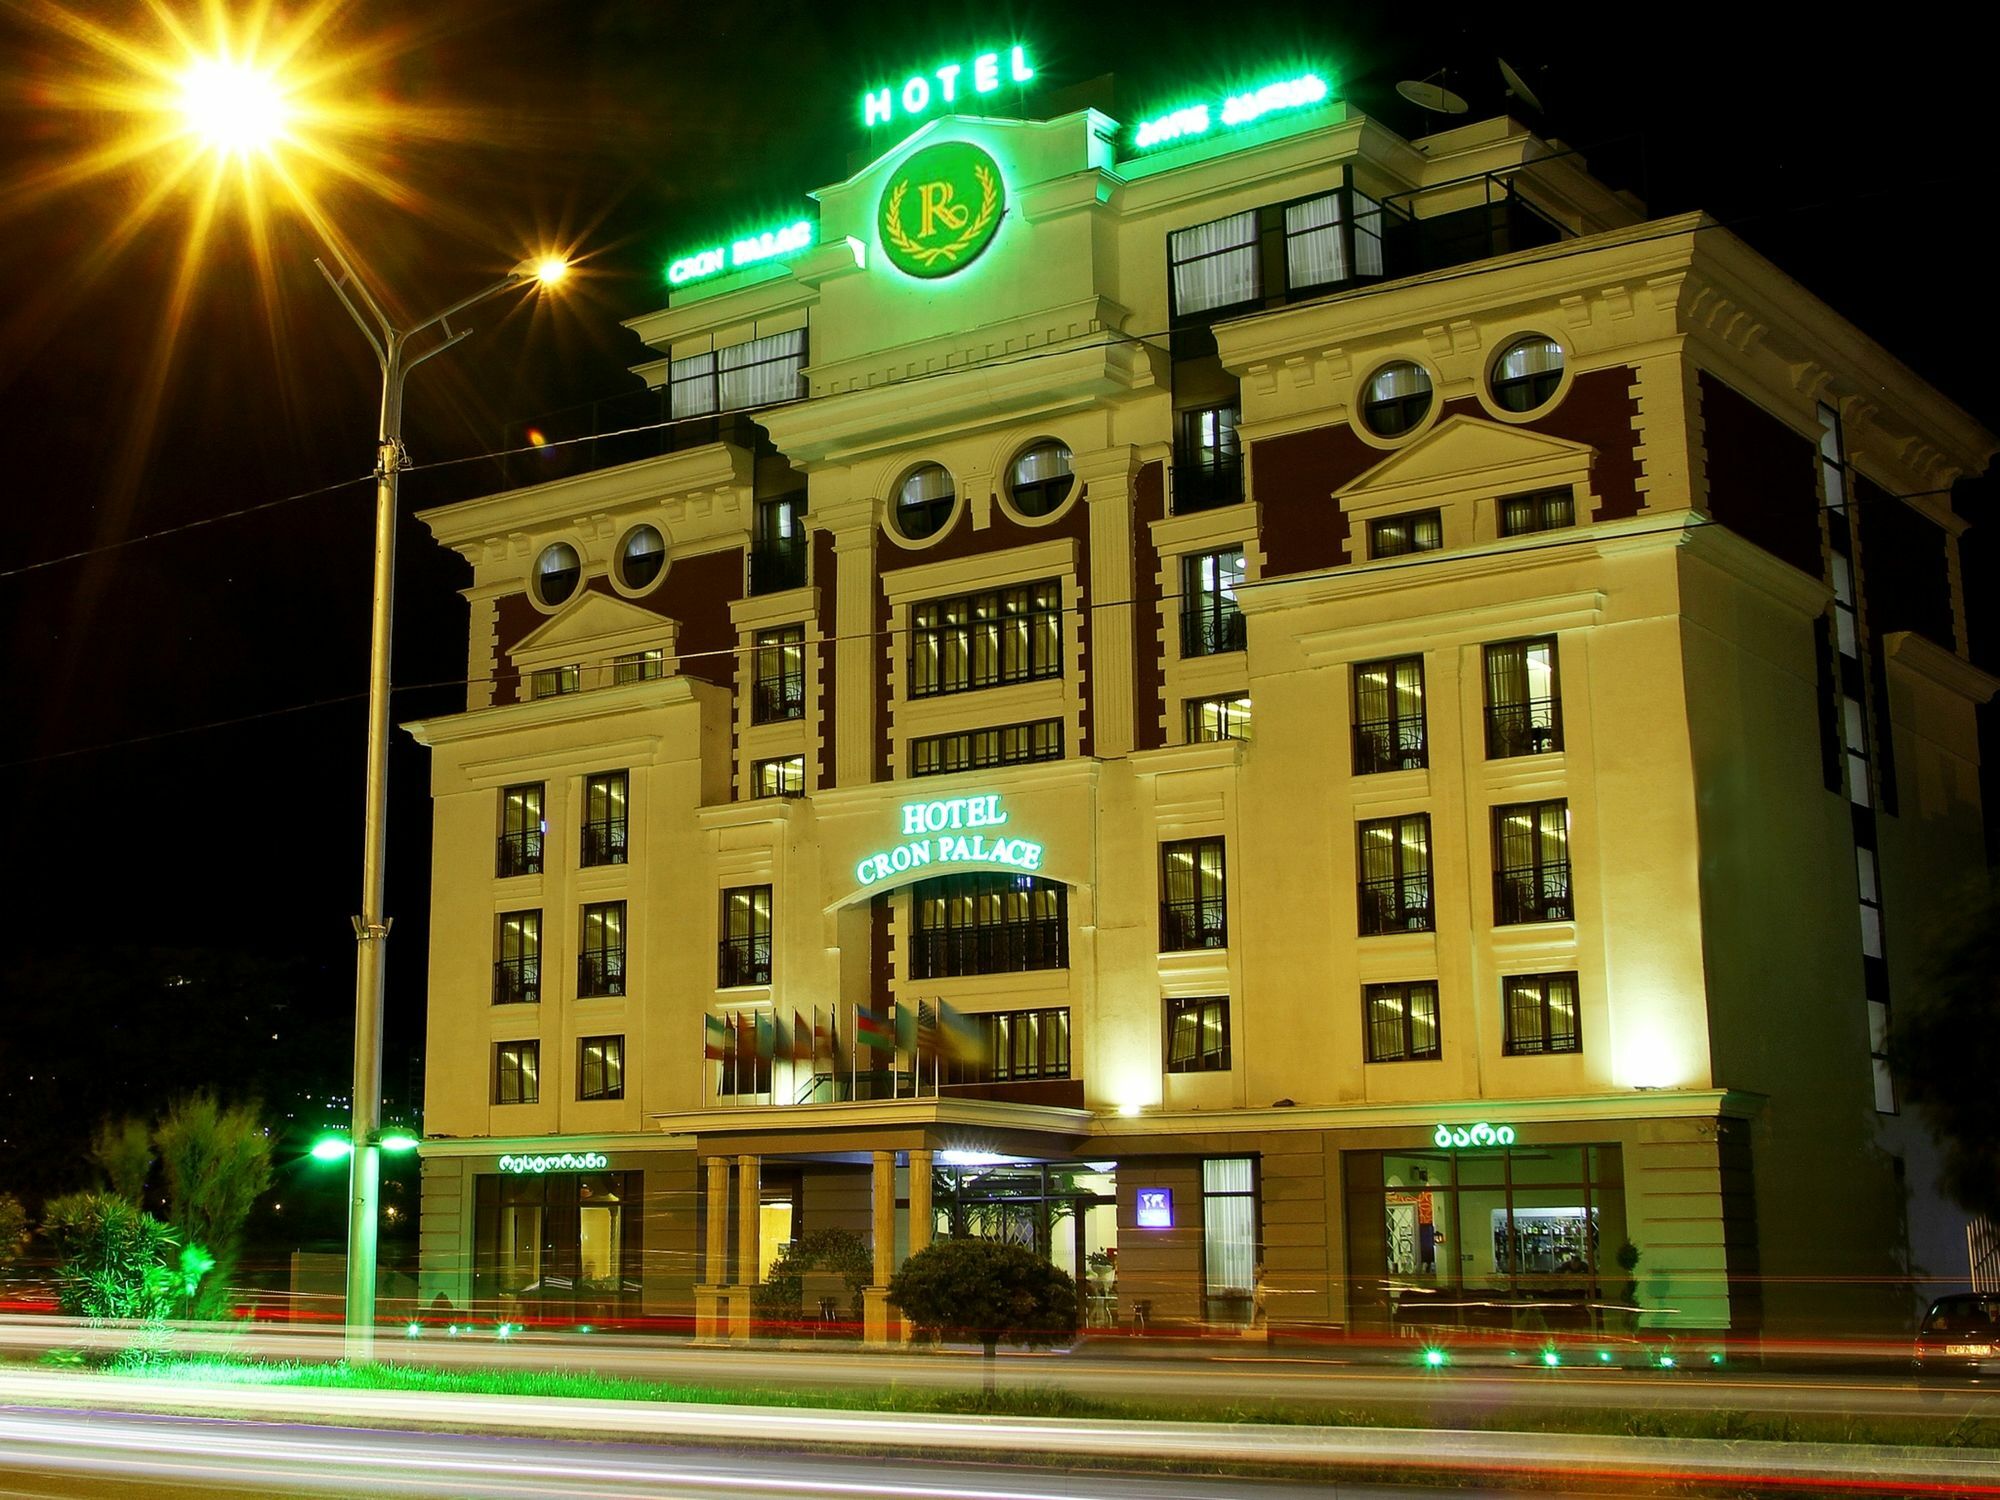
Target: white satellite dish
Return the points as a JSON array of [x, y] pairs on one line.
[[1433, 97], [1518, 87]]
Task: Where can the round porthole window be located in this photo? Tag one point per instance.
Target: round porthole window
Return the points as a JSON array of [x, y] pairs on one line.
[[924, 501], [1398, 398], [641, 556], [1527, 373], [1041, 479], [556, 573]]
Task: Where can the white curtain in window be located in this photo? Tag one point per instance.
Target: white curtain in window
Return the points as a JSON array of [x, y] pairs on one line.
[[762, 371], [1314, 252], [1215, 264], [691, 386], [1229, 1225]]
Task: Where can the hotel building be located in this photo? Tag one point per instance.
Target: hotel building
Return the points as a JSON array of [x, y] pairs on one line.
[[1410, 719]]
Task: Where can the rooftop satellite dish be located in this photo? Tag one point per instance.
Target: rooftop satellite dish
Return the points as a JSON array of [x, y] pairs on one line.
[[1518, 87], [1433, 97]]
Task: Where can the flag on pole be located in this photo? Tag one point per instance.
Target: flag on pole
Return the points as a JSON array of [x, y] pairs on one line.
[[767, 1038], [962, 1039], [715, 1038], [906, 1027], [822, 1040], [927, 1027], [784, 1043], [872, 1029], [802, 1039]]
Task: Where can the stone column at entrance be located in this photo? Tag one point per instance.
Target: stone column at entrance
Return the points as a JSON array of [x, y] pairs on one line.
[[877, 1317], [920, 1201], [711, 1311], [749, 1262]]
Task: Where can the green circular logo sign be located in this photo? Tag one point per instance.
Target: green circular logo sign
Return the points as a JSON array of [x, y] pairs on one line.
[[941, 209]]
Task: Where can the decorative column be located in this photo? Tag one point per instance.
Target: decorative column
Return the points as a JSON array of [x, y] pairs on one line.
[[749, 1203], [876, 1315], [711, 1312], [920, 1201]]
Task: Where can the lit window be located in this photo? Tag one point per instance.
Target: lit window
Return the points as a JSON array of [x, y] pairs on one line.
[[1198, 1035], [517, 971], [521, 830], [1395, 886], [1541, 1014], [1193, 896], [745, 953], [1214, 265], [1531, 864], [924, 501], [1397, 399], [604, 818], [554, 682], [600, 1067], [1418, 531], [1224, 717], [976, 749], [987, 924], [638, 666], [1211, 618], [517, 1068], [1041, 479], [1400, 1022], [600, 959], [778, 686], [641, 556], [982, 640], [1208, 465], [556, 573], [1543, 510], [781, 776], [1523, 699], [1389, 716], [1527, 373]]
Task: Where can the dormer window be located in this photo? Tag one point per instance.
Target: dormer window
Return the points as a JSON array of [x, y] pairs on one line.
[[1413, 531], [1540, 510]]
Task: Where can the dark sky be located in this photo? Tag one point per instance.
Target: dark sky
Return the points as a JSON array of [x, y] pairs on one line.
[[181, 718]]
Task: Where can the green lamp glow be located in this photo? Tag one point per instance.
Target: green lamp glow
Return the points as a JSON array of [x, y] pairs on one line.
[[332, 1148], [399, 1142]]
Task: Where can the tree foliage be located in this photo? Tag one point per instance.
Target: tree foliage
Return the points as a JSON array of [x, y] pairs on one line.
[[13, 1228], [123, 1151], [217, 1160], [780, 1296], [111, 1258], [1944, 1048], [986, 1292]]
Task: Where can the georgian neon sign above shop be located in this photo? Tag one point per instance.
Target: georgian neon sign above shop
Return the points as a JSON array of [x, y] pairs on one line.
[[1453, 1137], [946, 832], [567, 1161], [1232, 111], [765, 244], [919, 95]]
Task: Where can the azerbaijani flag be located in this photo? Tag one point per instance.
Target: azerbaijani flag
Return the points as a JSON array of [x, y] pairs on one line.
[[872, 1029], [715, 1038]]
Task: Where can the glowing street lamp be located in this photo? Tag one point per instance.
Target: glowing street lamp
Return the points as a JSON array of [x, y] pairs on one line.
[[234, 107]]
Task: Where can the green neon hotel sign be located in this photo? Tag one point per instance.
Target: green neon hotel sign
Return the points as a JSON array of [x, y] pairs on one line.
[[1232, 111], [766, 244], [1457, 1137], [944, 86], [951, 831], [563, 1161]]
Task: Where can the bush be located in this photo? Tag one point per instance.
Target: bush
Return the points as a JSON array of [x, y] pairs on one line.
[[13, 1228], [780, 1296], [984, 1292], [111, 1258]]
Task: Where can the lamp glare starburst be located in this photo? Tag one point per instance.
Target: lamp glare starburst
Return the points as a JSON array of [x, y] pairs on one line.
[[233, 107]]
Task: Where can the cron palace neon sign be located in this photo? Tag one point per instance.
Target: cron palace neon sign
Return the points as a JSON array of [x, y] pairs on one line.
[[949, 832]]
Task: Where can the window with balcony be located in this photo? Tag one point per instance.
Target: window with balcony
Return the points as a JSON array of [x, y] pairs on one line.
[[778, 545], [1400, 1022], [1211, 618], [600, 958], [1193, 896], [517, 1073], [1523, 699], [1389, 716], [1208, 465], [778, 681], [780, 776], [1395, 862], [638, 666], [744, 956], [983, 640], [987, 924], [1414, 531], [1223, 717], [1198, 1034], [600, 1067], [517, 964], [756, 372], [1531, 864], [522, 828], [555, 682], [1540, 510], [1214, 265], [1541, 1014], [977, 749], [606, 797]]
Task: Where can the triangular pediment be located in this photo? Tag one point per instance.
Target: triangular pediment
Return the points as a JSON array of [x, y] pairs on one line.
[[1463, 454], [594, 625]]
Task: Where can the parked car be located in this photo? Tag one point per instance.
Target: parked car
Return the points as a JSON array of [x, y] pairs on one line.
[[1960, 1335]]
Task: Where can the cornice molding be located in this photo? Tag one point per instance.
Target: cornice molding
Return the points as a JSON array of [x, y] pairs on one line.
[[1927, 659], [713, 468]]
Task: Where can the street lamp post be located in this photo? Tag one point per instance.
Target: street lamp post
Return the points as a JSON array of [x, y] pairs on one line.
[[392, 346]]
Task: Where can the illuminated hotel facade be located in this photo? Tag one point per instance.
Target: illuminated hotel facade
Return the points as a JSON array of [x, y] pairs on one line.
[[1350, 720]]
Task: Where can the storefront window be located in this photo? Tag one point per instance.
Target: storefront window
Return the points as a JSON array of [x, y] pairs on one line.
[[1065, 1212], [560, 1246], [1229, 1239]]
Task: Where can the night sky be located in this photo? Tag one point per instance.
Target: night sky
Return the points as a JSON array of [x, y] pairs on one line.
[[182, 718]]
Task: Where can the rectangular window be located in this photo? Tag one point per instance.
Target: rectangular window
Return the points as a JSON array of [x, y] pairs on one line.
[[781, 776], [600, 1067], [1543, 510], [1193, 905], [691, 386], [555, 682], [638, 666], [1541, 1014], [1395, 864], [1198, 1034], [987, 924], [778, 686], [600, 959], [1416, 531], [976, 749], [517, 1069], [986, 639], [521, 829], [761, 372], [1523, 699], [605, 799], [1026, 1044], [1208, 466], [1229, 1239], [1214, 265], [745, 955], [517, 966], [1211, 619], [1389, 716], [1832, 459], [1400, 1022], [1315, 249], [1531, 864], [778, 545], [1226, 717]]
